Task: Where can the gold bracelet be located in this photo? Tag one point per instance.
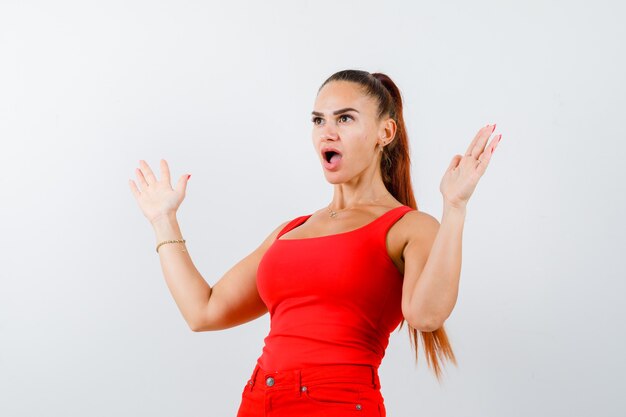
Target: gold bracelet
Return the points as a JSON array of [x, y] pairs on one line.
[[171, 241]]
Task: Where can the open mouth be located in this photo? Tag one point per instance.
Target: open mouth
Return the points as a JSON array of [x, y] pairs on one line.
[[328, 155], [331, 155]]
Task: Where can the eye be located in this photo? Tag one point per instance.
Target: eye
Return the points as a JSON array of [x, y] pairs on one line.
[[345, 115], [315, 119]]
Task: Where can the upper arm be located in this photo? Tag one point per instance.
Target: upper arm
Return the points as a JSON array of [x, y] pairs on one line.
[[234, 298], [422, 229]]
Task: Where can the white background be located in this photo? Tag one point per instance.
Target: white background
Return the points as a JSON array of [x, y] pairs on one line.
[[224, 91]]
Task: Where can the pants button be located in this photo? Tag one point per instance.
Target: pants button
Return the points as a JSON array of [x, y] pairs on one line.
[[303, 388], [358, 406], [269, 381]]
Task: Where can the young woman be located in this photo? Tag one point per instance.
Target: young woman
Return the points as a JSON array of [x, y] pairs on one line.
[[338, 281]]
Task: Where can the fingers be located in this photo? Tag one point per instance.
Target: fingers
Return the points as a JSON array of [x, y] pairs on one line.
[[478, 143], [147, 172], [142, 181], [145, 176], [133, 188], [471, 145], [165, 171], [182, 183], [484, 161], [485, 157], [455, 162], [497, 141]]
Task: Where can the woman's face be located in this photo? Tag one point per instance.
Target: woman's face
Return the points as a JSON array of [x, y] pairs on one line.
[[345, 119]]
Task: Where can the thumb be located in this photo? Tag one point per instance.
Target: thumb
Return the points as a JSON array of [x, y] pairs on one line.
[[181, 186]]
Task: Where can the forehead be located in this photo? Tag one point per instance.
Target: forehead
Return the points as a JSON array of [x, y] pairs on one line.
[[340, 94]]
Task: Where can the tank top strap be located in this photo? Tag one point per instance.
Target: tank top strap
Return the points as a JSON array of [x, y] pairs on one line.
[[293, 224], [384, 223]]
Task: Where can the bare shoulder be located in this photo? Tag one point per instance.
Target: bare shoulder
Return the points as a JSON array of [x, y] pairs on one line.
[[408, 233], [417, 218], [418, 232], [419, 227], [413, 229]]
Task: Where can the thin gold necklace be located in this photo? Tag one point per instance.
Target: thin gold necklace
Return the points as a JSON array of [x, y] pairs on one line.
[[333, 213]]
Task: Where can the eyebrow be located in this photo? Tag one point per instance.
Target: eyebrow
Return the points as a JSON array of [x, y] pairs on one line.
[[336, 112]]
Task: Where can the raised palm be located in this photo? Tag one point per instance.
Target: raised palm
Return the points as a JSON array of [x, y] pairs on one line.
[[156, 197], [463, 173]]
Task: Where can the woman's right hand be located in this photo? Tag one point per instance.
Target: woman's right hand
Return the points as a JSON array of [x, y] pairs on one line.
[[157, 198]]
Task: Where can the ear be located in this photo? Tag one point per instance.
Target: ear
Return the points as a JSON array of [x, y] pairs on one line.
[[388, 130]]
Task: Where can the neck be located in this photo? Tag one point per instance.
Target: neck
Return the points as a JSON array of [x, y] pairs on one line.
[[347, 198], [365, 188]]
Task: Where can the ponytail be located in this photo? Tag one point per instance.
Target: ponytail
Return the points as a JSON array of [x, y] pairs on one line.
[[396, 174]]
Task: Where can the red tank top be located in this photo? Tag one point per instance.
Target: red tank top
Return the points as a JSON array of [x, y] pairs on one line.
[[332, 299]]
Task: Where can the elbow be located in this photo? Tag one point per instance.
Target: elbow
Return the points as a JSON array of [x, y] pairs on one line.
[[413, 319], [197, 326], [201, 322], [426, 326], [420, 320], [424, 323], [204, 326], [429, 326]]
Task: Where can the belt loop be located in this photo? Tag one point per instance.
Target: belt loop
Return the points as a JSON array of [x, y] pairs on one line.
[[375, 379], [253, 379], [298, 381]]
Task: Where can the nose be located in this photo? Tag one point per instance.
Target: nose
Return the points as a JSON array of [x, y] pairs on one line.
[[328, 132]]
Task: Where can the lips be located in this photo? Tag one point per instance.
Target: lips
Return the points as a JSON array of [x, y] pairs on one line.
[[327, 152], [331, 158]]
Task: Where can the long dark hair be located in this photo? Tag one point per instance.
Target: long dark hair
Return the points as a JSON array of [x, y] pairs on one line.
[[395, 168]]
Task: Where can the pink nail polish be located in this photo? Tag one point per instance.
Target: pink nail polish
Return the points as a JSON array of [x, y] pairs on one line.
[[493, 128], [188, 176]]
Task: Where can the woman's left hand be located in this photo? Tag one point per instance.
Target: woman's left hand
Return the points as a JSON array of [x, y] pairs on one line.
[[462, 175]]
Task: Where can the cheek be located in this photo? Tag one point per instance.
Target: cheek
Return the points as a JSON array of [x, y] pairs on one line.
[[315, 142]]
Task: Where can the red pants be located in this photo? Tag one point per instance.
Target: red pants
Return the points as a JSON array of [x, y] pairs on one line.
[[327, 390]]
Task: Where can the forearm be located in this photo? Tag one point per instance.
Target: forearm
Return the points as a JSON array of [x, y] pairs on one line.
[[190, 291], [435, 292]]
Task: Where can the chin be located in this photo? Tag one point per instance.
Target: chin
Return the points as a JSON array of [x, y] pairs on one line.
[[332, 178]]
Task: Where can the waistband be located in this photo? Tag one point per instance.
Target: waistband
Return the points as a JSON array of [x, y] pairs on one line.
[[309, 376]]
